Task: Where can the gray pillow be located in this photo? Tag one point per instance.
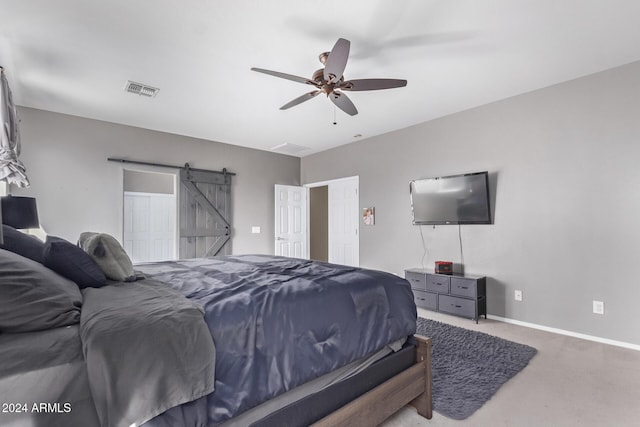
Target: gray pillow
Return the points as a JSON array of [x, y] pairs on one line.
[[34, 298], [108, 254]]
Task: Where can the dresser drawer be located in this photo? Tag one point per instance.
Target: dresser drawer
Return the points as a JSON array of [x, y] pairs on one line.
[[438, 284], [458, 306], [463, 287], [417, 280], [426, 299]]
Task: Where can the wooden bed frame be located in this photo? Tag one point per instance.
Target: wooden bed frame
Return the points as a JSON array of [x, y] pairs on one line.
[[411, 386]]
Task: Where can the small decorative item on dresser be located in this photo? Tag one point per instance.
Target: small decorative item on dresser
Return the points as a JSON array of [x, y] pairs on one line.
[[444, 267]]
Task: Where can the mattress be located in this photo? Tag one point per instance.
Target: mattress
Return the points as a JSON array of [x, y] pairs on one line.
[[45, 368], [280, 403]]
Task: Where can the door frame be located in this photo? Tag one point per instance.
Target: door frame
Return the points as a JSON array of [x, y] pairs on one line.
[[328, 183]]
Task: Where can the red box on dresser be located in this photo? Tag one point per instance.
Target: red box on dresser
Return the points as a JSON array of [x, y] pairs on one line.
[[444, 267]]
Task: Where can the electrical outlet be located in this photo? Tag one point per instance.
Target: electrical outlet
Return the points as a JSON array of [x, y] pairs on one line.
[[518, 295], [598, 307]]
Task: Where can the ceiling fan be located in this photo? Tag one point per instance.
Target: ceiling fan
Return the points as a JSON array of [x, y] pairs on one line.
[[330, 80]]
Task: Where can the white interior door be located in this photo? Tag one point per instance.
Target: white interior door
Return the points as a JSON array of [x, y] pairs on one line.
[[291, 221], [344, 216], [149, 226]]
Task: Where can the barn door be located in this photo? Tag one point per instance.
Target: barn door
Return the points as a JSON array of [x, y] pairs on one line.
[[205, 213]]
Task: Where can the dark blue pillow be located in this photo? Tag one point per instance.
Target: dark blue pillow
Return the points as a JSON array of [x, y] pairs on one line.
[[72, 262], [22, 244]]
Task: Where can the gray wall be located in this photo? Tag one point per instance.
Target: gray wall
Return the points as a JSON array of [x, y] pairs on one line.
[[79, 190], [565, 165], [319, 223]]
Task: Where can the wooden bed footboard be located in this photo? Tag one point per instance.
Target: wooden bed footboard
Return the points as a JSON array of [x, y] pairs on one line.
[[411, 386]]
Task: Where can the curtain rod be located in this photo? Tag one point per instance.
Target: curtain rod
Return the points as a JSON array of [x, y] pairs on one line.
[[186, 166]]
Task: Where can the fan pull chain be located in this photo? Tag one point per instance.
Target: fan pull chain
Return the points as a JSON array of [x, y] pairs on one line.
[[334, 115]]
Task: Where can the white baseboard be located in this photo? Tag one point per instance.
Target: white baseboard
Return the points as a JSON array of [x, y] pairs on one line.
[[568, 333]]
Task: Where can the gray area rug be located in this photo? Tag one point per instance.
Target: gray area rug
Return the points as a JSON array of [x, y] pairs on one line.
[[469, 367]]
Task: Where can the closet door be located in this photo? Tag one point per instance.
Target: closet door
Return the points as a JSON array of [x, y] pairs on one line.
[[149, 226]]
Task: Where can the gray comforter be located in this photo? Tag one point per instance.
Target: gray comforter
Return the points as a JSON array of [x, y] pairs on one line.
[[147, 349]]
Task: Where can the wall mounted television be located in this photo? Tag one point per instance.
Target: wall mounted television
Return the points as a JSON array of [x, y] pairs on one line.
[[455, 199]]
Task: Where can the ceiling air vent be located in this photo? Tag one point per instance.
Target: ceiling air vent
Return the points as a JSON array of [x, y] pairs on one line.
[[140, 89], [288, 148]]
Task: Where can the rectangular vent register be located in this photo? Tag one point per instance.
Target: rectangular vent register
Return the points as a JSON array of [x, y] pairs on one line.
[[141, 89]]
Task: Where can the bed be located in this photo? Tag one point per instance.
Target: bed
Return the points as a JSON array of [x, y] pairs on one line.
[[227, 341]]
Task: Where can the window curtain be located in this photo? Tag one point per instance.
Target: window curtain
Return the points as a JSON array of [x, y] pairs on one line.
[[12, 171]]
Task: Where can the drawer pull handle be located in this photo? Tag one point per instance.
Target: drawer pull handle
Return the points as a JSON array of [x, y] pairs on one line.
[[457, 306], [464, 287]]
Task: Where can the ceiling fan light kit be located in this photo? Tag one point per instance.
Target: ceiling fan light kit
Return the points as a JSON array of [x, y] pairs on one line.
[[330, 80]]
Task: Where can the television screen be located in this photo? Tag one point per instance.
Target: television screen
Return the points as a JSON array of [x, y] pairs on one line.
[[457, 199]]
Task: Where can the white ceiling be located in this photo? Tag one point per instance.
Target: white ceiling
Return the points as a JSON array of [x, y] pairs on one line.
[[75, 57]]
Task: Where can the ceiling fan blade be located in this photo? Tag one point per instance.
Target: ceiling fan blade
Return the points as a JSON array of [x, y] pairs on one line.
[[300, 99], [372, 84], [343, 102], [284, 75], [337, 60]]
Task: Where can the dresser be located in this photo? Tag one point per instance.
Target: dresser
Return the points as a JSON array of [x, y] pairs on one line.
[[464, 296]]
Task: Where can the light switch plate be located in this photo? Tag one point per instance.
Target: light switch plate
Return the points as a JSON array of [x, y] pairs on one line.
[[598, 307], [255, 229]]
